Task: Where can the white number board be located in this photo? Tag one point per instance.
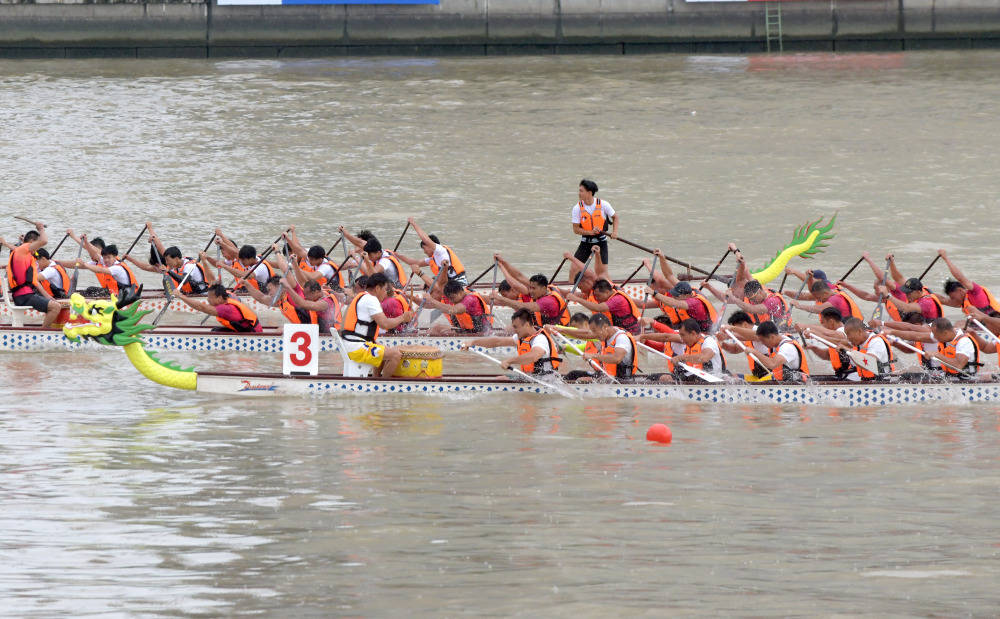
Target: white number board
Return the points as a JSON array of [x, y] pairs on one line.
[[300, 344]]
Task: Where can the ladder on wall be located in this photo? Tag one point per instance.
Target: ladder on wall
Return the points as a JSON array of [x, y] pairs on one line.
[[772, 25]]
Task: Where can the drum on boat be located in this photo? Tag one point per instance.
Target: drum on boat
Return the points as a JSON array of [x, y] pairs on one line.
[[420, 362]]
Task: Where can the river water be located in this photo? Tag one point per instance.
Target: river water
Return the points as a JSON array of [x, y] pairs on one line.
[[124, 498]]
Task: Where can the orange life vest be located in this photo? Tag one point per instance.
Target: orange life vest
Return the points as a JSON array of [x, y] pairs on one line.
[[697, 349], [62, 289], [252, 279], [453, 261], [840, 362], [852, 305], [403, 278], [563, 316], [992, 303], [883, 368], [779, 320], [248, 322], [949, 351], [678, 316], [22, 271], [466, 321], [305, 267], [108, 280], [189, 286], [595, 222], [298, 315], [802, 371], [524, 346], [756, 368], [628, 366], [349, 330]]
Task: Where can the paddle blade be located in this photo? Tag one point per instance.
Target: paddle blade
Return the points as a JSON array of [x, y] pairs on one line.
[[863, 360]]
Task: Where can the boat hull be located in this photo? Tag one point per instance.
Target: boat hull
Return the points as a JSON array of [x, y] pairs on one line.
[[829, 394]]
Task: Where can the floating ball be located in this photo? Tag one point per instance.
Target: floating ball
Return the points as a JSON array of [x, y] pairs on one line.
[[659, 433]]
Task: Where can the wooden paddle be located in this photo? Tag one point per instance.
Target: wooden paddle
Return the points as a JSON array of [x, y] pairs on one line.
[[579, 275], [334, 246], [480, 276], [558, 268], [851, 270], [563, 391], [399, 242], [929, 266], [53, 254], [26, 220], [132, 246], [674, 260], [717, 265]]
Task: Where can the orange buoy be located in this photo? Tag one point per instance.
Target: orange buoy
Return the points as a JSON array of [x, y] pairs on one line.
[[660, 433]]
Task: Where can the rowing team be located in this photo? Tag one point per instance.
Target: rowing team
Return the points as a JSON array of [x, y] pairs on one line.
[[311, 288]]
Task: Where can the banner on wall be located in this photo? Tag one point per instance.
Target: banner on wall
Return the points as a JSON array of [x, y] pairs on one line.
[[281, 2]]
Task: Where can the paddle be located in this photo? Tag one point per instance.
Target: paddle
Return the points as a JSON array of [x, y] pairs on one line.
[[416, 317], [563, 391], [783, 280], [929, 266], [180, 286], [558, 268], [263, 257], [923, 353], [132, 246], [629, 278], [645, 300], [851, 270], [861, 359], [801, 288], [992, 336], [877, 311], [277, 294], [334, 246], [26, 220], [717, 265], [742, 346], [53, 254], [350, 272], [579, 275], [702, 374], [76, 272], [567, 343], [674, 260], [493, 287], [166, 278], [401, 237], [594, 364], [480, 276]]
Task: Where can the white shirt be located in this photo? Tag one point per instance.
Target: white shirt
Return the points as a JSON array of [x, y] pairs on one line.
[[609, 212], [368, 307], [53, 276], [712, 344], [620, 340], [120, 274], [195, 273], [440, 257], [262, 274], [790, 352], [877, 348], [542, 342], [326, 270], [390, 269], [964, 346]]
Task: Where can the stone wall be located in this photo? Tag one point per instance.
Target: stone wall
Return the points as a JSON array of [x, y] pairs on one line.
[[199, 29]]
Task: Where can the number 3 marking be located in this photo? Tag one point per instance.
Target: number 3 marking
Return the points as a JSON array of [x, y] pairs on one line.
[[303, 355]]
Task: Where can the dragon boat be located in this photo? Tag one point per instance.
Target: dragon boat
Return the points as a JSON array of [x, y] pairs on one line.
[[117, 323]]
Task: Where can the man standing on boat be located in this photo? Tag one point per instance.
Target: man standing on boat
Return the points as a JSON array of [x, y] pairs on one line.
[[590, 218], [362, 320]]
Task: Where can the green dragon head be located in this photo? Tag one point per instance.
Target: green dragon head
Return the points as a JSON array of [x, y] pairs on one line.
[[112, 323], [808, 240]]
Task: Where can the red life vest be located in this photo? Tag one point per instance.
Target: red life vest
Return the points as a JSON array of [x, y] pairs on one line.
[[991, 303]]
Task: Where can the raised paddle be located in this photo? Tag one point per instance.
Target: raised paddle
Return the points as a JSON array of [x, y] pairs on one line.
[[400, 241], [877, 311], [717, 265], [579, 275], [783, 280], [481, 275], [26, 220], [166, 277], [132, 246], [334, 246], [563, 391], [558, 268], [493, 287], [277, 294], [629, 278], [929, 266], [674, 260], [851, 270], [416, 317], [53, 254], [263, 257], [702, 374]]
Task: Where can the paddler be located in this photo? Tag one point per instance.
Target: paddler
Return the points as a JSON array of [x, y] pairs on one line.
[[830, 328], [866, 341], [742, 322], [376, 259], [118, 277], [193, 273], [617, 306], [316, 265], [918, 299], [617, 352], [466, 310], [546, 303], [536, 350], [761, 304], [964, 293], [826, 297], [700, 350], [590, 217], [310, 304], [681, 301], [22, 276], [54, 278], [956, 349], [363, 318], [246, 257], [786, 358], [231, 313], [438, 256]]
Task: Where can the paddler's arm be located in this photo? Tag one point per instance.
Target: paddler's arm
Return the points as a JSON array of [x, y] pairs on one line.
[[92, 267], [912, 335], [902, 306], [894, 270], [665, 269], [489, 342], [672, 302], [201, 306], [575, 332], [745, 334], [861, 294], [9, 246], [611, 357], [357, 241], [517, 280], [807, 277], [956, 272], [261, 297], [743, 274], [835, 337], [812, 309], [527, 358], [753, 308], [658, 337], [770, 363], [43, 237], [209, 273], [155, 239], [499, 299], [229, 249], [278, 259], [386, 323], [594, 307], [92, 251], [717, 294], [294, 245], [990, 322], [702, 357], [420, 232], [878, 272], [433, 303], [142, 264], [300, 301]]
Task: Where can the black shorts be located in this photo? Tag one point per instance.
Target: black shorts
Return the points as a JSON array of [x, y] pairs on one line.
[[583, 251], [33, 299]]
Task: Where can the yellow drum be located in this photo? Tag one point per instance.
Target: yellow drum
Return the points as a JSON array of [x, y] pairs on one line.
[[420, 362]]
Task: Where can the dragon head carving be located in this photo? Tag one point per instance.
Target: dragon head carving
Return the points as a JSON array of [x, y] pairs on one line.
[[113, 323]]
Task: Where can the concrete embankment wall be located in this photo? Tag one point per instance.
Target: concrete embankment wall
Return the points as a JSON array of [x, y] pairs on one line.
[[477, 27]]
